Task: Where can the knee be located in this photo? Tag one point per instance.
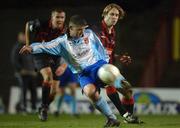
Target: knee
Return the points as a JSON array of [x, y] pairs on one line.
[[47, 82], [91, 93], [47, 77], [46, 74]]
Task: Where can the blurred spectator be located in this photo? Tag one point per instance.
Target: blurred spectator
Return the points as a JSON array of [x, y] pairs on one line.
[[2, 107], [25, 73], [68, 80]]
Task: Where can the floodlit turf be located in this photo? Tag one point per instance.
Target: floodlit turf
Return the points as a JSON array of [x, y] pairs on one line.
[[85, 121]]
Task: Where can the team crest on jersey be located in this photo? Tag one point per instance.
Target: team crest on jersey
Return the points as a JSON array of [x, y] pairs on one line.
[[86, 40]]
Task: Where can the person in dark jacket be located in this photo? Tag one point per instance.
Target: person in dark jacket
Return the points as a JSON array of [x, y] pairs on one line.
[[25, 72]]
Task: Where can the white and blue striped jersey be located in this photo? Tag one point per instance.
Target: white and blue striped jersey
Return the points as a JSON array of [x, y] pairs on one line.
[[78, 52]]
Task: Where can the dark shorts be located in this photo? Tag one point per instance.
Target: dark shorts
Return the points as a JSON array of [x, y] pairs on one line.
[[45, 60]]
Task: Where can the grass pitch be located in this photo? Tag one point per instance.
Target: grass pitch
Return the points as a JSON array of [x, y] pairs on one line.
[[84, 121]]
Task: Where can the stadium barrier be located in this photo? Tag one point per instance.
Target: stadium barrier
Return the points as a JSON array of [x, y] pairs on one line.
[[148, 101]]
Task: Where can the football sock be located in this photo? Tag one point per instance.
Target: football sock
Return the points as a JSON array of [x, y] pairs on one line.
[[104, 108], [59, 100], [73, 105], [114, 97], [51, 98], [128, 104], [45, 94]]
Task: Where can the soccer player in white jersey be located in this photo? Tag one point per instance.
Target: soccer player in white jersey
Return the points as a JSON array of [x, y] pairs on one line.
[[85, 54]]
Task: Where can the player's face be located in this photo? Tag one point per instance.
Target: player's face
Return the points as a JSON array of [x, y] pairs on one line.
[[58, 19], [112, 17], [76, 31]]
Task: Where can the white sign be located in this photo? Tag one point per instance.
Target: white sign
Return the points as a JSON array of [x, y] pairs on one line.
[[147, 101]]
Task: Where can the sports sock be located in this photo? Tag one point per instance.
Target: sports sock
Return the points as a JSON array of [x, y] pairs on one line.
[[128, 104], [59, 100], [104, 108], [45, 94], [73, 105], [51, 98], [114, 97]]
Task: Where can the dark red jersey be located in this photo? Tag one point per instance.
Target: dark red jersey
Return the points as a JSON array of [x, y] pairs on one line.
[[44, 32], [108, 40]]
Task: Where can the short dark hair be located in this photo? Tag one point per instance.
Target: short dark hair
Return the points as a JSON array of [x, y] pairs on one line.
[[77, 20], [59, 10]]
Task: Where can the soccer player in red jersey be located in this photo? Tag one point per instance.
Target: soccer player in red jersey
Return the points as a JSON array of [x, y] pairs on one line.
[[42, 31], [111, 14]]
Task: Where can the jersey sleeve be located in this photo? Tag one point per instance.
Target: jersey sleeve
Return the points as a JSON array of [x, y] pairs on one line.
[[52, 47]]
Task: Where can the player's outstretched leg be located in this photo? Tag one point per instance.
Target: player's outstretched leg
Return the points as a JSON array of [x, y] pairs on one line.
[[113, 95], [101, 104], [104, 108], [128, 103]]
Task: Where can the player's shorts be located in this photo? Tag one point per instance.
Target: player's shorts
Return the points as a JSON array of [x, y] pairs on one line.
[[89, 75], [67, 77], [45, 60]]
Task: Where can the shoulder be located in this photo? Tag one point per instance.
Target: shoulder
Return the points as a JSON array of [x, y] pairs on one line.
[[88, 30], [62, 38], [88, 33]]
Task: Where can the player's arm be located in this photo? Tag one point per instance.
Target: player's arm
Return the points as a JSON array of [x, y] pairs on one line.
[[61, 69], [27, 34], [31, 27], [52, 47], [62, 66]]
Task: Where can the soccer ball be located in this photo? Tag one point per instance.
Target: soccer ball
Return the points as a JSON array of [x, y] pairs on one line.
[[108, 73]]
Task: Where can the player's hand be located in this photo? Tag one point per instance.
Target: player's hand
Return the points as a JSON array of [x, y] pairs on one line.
[[125, 59], [61, 69], [25, 50]]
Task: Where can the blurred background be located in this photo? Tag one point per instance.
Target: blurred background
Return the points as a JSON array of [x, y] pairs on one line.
[[149, 33]]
